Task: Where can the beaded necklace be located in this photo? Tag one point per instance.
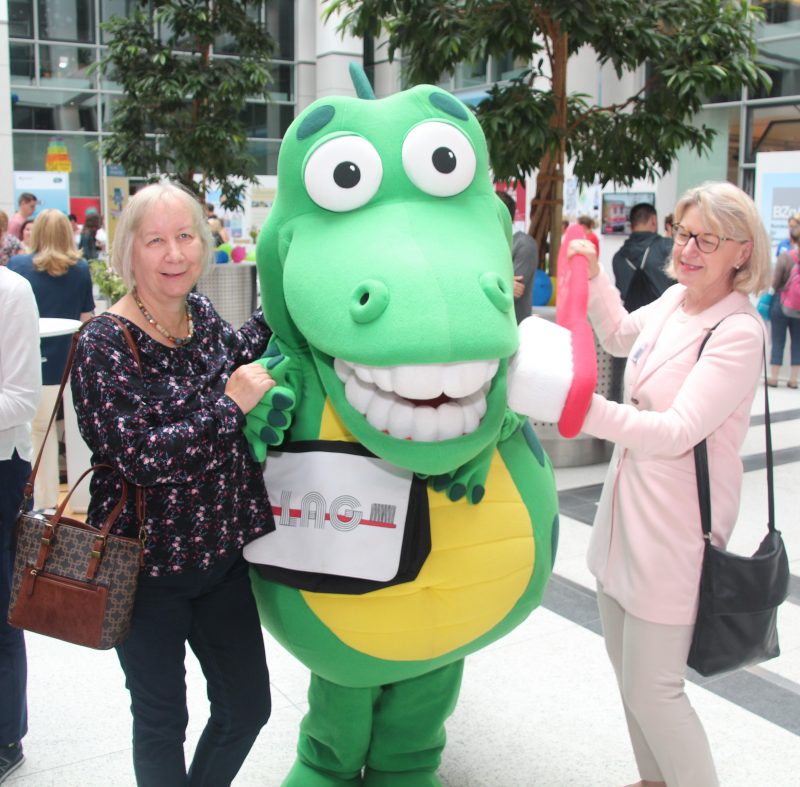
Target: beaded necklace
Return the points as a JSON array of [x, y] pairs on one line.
[[177, 341]]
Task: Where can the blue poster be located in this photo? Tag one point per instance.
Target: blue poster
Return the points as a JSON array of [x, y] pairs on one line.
[[50, 188]]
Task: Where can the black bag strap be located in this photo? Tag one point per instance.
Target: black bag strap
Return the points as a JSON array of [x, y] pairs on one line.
[[701, 459], [28, 493]]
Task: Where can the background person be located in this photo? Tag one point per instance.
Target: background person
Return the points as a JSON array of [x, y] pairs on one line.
[[786, 243], [525, 256], [639, 264], [588, 224], [175, 428], [25, 209], [87, 242], [669, 221], [76, 228], [639, 273], [646, 547], [20, 386], [779, 323], [9, 244], [27, 229], [63, 288], [217, 231]]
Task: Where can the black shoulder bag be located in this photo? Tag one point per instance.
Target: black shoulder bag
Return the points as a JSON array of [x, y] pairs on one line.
[[739, 596]]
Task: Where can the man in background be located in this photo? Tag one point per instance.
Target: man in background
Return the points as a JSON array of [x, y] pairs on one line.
[[27, 205], [639, 264], [525, 256], [639, 273]]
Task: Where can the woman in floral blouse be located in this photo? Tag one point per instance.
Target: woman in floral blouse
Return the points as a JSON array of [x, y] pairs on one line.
[[174, 427]]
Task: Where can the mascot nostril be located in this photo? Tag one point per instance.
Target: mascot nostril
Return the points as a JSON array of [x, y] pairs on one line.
[[369, 301], [497, 290]]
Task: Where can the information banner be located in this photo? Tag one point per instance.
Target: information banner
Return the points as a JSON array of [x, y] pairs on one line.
[[777, 192], [50, 188]]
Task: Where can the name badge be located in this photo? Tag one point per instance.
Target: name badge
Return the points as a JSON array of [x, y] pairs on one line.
[[335, 513], [637, 352]]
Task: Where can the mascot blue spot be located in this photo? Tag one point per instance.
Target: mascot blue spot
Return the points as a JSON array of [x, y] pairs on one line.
[[554, 541], [449, 105], [315, 120], [533, 443]]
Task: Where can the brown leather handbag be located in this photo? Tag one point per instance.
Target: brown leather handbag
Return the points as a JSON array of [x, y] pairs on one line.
[[73, 581]]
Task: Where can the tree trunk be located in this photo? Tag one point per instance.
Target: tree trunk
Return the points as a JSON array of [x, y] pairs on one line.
[[547, 207]]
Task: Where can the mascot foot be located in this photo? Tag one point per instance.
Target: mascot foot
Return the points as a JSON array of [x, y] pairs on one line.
[[394, 779], [303, 775]]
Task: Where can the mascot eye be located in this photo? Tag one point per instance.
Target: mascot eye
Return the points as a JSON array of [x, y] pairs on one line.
[[438, 158], [343, 174]]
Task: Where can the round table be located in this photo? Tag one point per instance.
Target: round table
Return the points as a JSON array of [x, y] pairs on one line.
[[57, 326]]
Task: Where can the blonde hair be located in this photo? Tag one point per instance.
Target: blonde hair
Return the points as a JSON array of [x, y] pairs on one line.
[[730, 213], [3, 223], [54, 249], [134, 214]]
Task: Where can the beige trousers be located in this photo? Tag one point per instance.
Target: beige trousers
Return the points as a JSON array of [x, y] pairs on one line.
[[45, 488], [649, 659]]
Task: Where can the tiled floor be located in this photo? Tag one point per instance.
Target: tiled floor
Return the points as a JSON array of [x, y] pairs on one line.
[[539, 707]]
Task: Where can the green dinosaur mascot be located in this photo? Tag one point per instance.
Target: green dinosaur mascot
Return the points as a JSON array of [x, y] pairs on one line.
[[386, 276]]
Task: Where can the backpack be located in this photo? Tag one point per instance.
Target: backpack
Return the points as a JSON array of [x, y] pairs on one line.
[[790, 294], [641, 289]]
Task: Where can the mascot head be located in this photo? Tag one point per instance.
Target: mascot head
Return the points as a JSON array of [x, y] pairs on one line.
[[386, 257]]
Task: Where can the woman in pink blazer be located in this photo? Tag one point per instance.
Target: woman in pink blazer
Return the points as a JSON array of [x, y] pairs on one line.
[[646, 547]]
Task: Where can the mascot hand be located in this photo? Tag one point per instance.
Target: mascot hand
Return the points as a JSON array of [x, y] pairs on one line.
[[540, 373], [267, 422], [469, 480]]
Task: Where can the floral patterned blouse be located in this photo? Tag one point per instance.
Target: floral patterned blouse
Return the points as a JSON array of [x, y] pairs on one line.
[[10, 247], [171, 429]]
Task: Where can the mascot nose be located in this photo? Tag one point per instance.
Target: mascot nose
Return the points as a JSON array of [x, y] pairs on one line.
[[369, 301], [497, 290]]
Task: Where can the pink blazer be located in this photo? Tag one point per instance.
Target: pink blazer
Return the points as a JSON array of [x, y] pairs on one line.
[[646, 546]]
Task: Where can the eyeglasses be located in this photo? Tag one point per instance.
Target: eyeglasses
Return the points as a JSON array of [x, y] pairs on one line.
[[706, 242]]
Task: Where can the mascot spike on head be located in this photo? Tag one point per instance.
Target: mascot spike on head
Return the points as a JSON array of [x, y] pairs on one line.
[[416, 515]]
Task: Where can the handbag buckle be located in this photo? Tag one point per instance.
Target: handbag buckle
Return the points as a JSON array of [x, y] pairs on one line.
[[97, 552], [47, 537]]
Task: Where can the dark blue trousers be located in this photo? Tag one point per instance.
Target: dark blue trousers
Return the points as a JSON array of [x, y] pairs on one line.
[[14, 473], [215, 612], [780, 324]]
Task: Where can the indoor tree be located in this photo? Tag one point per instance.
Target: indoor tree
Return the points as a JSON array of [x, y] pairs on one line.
[[180, 112], [690, 50]]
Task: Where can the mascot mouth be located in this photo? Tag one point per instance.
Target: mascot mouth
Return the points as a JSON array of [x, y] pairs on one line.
[[420, 402]]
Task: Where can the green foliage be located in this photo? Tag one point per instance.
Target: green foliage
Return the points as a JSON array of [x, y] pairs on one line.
[[693, 48], [174, 88], [110, 285]]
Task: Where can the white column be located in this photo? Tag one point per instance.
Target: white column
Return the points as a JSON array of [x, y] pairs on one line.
[[305, 53], [6, 148], [334, 54], [387, 75]]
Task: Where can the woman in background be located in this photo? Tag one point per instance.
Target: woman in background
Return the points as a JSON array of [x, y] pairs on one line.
[[779, 323], [26, 235], [10, 245], [63, 288]]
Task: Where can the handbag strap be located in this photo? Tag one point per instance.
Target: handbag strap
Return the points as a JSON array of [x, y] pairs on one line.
[[28, 492], [701, 459]]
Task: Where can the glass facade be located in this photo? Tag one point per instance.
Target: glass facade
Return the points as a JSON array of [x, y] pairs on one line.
[[52, 43], [766, 120]]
